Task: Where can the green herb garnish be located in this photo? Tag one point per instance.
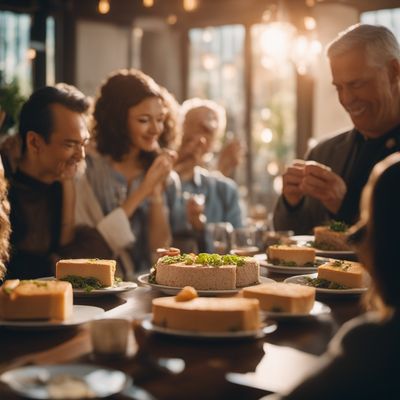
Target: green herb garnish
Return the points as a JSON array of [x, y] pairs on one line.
[[323, 283], [217, 260], [87, 284], [338, 226]]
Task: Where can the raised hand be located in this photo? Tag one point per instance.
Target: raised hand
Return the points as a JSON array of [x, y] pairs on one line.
[[324, 185], [292, 179]]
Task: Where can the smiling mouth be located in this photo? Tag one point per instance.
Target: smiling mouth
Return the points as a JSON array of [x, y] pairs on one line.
[[356, 112]]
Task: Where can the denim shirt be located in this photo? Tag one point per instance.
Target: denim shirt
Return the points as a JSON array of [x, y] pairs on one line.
[[221, 199], [111, 189]]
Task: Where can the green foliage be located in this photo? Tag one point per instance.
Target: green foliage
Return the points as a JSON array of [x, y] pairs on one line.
[[11, 102]]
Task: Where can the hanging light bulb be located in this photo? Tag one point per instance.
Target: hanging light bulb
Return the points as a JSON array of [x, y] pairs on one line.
[[310, 23], [190, 5], [104, 6], [148, 3]]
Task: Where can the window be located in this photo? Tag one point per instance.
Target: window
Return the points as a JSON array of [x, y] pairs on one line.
[[216, 71], [14, 45], [389, 18], [274, 109]]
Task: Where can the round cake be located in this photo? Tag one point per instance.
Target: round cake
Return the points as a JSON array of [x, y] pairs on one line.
[[206, 271]]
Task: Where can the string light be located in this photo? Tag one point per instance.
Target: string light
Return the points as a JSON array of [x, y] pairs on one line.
[[104, 6], [148, 3], [190, 5], [310, 23], [172, 19]]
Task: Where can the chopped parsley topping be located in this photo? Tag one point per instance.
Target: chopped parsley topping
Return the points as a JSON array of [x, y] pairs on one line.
[[214, 260], [323, 283], [344, 266], [87, 284], [338, 226]]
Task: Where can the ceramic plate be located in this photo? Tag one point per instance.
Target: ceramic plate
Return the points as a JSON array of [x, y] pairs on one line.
[[37, 382], [119, 287], [304, 240], [318, 310], [144, 279], [268, 327], [284, 269], [80, 315], [302, 280]]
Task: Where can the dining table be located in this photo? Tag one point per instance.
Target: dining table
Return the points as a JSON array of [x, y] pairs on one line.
[[206, 362]]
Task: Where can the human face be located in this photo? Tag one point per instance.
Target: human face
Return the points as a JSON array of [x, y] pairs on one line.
[[369, 93], [200, 122], [146, 124], [60, 158]]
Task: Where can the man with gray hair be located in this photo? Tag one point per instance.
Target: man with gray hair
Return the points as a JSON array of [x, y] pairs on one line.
[[365, 66], [210, 196]]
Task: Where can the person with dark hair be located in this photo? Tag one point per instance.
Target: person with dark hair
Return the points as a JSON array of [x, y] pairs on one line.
[[129, 192], [365, 66], [363, 358], [53, 133]]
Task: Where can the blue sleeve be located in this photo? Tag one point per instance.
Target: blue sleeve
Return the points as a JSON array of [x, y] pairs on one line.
[[176, 204]]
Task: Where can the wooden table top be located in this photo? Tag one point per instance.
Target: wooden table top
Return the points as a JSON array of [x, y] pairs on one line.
[[206, 361]]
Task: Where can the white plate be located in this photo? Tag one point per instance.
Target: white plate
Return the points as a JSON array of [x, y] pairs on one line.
[[300, 279], [284, 269], [303, 240], [144, 279], [80, 315], [268, 327], [318, 310], [32, 381], [119, 287]]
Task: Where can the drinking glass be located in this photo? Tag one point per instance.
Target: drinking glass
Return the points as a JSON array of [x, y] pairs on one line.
[[244, 242], [220, 233]]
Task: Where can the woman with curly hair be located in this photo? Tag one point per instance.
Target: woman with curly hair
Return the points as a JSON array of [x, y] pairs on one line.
[[129, 191], [4, 223]]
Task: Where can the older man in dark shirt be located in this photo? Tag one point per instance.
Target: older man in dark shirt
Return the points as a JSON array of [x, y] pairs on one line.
[[365, 65]]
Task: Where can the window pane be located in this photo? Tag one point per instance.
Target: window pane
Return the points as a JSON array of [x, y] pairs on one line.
[[274, 109], [389, 18], [50, 52], [216, 72], [14, 45]]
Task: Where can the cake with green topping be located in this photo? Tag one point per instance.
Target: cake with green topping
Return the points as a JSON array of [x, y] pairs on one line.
[[291, 255], [206, 271], [346, 273], [35, 300], [332, 237]]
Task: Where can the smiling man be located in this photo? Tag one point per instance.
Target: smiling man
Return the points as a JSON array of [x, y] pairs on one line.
[[365, 66], [53, 134]]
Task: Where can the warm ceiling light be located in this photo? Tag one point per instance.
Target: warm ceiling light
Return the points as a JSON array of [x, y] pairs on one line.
[[31, 54], [310, 23], [172, 19], [310, 3], [190, 5], [104, 6], [148, 3]]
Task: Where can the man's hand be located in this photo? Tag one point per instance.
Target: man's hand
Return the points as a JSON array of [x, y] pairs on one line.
[[195, 214], [230, 156], [292, 179], [324, 185]]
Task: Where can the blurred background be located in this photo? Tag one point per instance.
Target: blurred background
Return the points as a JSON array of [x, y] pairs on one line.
[[263, 60]]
